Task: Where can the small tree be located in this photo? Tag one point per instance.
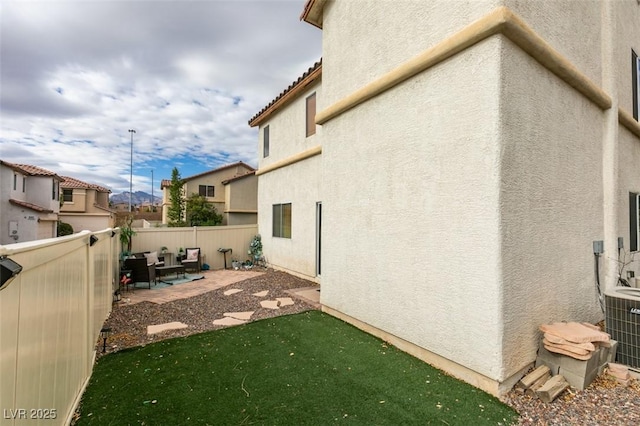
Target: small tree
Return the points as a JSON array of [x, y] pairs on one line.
[[175, 213], [64, 229], [126, 233], [202, 213]]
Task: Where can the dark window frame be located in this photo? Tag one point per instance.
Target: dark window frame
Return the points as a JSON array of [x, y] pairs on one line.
[[69, 198], [265, 142], [635, 78], [634, 220], [205, 190], [310, 113], [281, 220]]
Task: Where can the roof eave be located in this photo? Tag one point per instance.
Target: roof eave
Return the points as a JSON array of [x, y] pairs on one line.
[[313, 12], [313, 76]]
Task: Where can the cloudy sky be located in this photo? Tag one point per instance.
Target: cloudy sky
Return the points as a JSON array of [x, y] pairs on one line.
[[75, 76]]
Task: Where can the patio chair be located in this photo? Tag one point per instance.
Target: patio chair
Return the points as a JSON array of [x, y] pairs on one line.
[[152, 257], [141, 271], [193, 259]]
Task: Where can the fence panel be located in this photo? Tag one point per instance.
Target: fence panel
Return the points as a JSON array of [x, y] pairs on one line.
[[52, 313], [208, 238]]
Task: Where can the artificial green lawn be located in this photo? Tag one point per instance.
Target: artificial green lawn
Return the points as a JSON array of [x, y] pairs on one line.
[[308, 368]]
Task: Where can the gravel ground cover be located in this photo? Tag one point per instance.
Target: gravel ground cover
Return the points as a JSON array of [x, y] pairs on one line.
[[129, 323], [604, 402]]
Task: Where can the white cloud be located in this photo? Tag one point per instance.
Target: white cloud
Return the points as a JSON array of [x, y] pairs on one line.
[[186, 75]]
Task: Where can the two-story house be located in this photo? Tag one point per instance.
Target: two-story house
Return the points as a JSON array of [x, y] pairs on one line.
[[29, 203], [289, 176], [85, 205], [239, 209], [471, 155]]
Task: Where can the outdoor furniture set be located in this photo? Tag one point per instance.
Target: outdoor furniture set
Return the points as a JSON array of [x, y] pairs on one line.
[[150, 267]]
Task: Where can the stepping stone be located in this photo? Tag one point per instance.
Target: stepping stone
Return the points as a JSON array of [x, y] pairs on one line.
[[232, 291], [285, 301], [153, 329], [239, 315], [261, 293], [228, 321], [269, 304]]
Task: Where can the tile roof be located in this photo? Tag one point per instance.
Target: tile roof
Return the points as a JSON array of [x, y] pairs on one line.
[[30, 206], [226, 181], [228, 166], [310, 76], [30, 170], [165, 183], [70, 182]]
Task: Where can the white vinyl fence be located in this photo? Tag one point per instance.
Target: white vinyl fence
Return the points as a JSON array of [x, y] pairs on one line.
[[208, 238], [51, 315]]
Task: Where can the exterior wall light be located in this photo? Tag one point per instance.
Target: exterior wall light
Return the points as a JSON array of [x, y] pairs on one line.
[[8, 270]]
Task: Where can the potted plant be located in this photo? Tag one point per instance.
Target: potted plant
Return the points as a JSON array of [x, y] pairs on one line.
[[180, 254], [163, 250]]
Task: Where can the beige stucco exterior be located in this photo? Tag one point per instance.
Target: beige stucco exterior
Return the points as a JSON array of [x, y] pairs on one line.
[[241, 200], [89, 206], [470, 156], [291, 173], [30, 211]]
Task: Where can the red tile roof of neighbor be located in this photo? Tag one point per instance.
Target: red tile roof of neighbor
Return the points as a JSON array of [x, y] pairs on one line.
[[164, 183], [30, 170], [224, 182], [311, 75], [30, 206], [70, 182]]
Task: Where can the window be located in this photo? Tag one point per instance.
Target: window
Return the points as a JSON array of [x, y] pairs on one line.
[[282, 220], [265, 142], [54, 190], [67, 195], [24, 184], [633, 221], [15, 181], [311, 115], [635, 72], [206, 190]]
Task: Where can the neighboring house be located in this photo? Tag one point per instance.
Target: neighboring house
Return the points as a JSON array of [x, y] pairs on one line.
[[85, 205], [471, 155], [29, 203], [210, 185], [241, 200]]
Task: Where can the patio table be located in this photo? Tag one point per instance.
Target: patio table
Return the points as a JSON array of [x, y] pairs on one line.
[[164, 270]]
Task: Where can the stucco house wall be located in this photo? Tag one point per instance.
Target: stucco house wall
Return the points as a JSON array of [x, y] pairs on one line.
[[426, 270], [551, 204], [241, 200], [470, 157], [297, 183]]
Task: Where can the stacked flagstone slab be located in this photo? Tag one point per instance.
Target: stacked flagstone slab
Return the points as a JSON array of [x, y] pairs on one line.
[[577, 351]]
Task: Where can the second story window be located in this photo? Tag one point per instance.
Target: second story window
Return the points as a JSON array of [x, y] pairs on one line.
[[635, 72], [67, 195], [265, 142], [24, 184], [206, 190], [311, 115], [54, 190], [15, 181]]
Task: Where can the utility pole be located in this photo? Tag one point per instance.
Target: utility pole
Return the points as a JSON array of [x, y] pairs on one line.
[[153, 203], [131, 171]]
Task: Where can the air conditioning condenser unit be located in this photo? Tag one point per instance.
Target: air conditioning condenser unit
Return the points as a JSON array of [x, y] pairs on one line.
[[622, 322]]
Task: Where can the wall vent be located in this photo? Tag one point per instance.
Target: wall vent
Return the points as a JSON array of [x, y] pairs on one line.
[[622, 321]]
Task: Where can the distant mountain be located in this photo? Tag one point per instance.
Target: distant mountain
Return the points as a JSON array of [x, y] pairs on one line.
[[137, 198]]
